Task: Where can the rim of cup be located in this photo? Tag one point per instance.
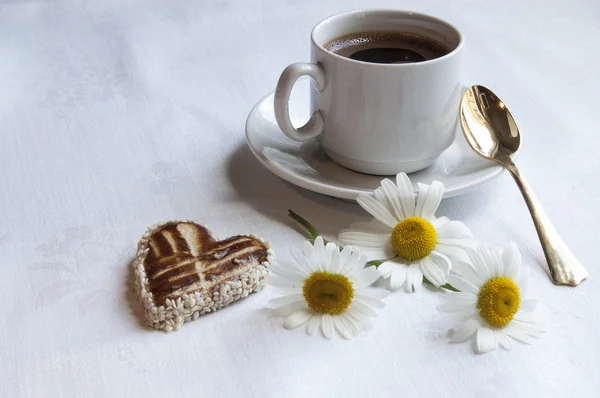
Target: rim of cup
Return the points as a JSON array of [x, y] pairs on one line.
[[385, 12]]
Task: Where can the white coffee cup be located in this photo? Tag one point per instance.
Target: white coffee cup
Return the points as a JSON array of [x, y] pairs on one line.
[[378, 118]]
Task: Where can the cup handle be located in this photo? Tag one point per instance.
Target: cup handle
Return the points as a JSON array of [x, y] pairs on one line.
[[315, 124]]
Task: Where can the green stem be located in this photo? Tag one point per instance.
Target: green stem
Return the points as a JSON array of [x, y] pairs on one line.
[[447, 286], [314, 233]]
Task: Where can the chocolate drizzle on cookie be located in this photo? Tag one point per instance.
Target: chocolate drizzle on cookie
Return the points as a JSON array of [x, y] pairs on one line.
[[183, 258]]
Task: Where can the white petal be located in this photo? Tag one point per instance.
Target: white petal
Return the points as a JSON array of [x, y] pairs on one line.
[[376, 209], [441, 260], [278, 281], [380, 195], [468, 273], [434, 273], [371, 302], [496, 258], [313, 324], [362, 308], [455, 306], [393, 196], [289, 308], [482, 269], [301, 260], [364, 321], [462, 284], [297, 318], [465, 331], [438, 222], [503, 340], [334, 264], [372, 226], [452, 252], [463, 243], [528, 304], [287, 266], [345, 255], [381, 254], [285, 291], [422, 192], [454, 230], [279, 301], [532, 327], [367, 276], [319, 254], [486, 340], [406, 192], [288, 270], [529, 320], [361, 238], [330, 248], [414, 279], [309, 253], [458, 318], [386, 268], [511, 257], [367, 323], [374, 253], [353, 324], [398, 277], [327, 326], [500, 269], [342, 327], [355, 258], [493, 261], [372, 292], [523, 284], [428, 199], [517, 333], [467, 299], [361, 264]]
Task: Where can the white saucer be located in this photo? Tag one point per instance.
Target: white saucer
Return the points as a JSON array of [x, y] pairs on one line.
[[306, 165]]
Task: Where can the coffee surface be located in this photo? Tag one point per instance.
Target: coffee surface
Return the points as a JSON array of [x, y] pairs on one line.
[[386, 47]]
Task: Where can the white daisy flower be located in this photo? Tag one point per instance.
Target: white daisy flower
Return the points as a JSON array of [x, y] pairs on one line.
[[406, 232], [326, 288], [492, 300]]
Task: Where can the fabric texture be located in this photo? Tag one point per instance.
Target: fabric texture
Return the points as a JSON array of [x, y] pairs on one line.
[[115, 115]]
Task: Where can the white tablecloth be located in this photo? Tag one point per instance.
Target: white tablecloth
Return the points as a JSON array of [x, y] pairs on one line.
[[115, 115]]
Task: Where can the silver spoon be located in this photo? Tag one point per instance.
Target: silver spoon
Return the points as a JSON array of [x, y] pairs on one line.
[[492, 132]]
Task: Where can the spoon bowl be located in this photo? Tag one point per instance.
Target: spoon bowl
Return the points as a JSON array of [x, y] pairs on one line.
[[488, 125]]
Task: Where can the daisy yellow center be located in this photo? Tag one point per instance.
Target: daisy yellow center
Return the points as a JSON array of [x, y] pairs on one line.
[[327, 293], [499, 300], [413, 238]]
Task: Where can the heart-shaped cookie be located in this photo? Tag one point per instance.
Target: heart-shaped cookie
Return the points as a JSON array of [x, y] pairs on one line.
[[182, 272]]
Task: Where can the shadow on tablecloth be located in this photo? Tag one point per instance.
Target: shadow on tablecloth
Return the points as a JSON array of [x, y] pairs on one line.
[[131, 298], [272, 196]]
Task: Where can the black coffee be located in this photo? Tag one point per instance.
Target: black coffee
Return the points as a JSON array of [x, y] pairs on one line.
[[386, 47]]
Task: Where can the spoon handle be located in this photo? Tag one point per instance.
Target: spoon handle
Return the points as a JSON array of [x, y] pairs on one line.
[[564, 268]]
